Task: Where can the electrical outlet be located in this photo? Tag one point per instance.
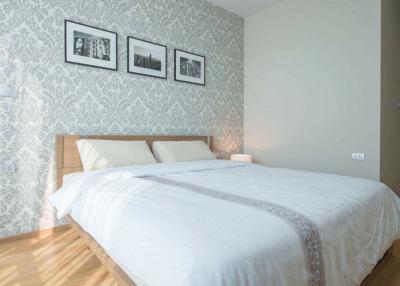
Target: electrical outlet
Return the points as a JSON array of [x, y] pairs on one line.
[[8, 168], [6, 91], [358, 156]]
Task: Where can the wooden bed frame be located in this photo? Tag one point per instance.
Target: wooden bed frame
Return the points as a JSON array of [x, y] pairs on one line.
[[68, 161]]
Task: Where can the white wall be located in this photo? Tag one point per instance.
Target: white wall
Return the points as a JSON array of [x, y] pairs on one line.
[[312, 85], [390, 93]]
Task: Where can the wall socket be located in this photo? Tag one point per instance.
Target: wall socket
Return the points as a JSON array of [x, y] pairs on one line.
[[6, 91], [7, 168], [358, 156]]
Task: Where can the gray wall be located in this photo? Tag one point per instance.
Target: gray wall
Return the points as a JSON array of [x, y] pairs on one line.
[[312, 85], [59, 98], [390, 93]]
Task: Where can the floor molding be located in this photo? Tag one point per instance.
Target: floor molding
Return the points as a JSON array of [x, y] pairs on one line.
[[35, 234]]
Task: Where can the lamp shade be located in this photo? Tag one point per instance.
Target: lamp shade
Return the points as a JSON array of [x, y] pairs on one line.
[[241, 157]]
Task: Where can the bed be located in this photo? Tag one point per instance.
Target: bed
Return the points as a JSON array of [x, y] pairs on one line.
[[220, 222]]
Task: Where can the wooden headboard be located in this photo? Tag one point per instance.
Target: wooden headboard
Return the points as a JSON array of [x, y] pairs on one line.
[[68, 159]]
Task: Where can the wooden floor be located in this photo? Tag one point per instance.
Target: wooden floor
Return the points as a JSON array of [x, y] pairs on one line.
[[54, 258], [61, 258]]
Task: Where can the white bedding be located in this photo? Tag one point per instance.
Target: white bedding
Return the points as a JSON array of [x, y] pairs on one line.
[[169, 235]]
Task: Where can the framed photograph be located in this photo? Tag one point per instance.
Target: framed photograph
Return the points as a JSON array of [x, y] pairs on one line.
[[147, 58], [190, 67], [90, 46]]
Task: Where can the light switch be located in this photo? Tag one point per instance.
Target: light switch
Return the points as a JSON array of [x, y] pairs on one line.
[[7, 168], [6, 91]]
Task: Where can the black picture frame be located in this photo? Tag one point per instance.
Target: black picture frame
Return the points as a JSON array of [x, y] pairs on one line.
[[143, 73], [68, 53], [178, 77]]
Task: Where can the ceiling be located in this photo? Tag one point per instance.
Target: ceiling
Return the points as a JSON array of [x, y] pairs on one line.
[[243, 8]]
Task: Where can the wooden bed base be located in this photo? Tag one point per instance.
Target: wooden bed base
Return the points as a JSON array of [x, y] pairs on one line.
[[112, 267], [393, 251], [68, 161], [124, 280], [396, 249]]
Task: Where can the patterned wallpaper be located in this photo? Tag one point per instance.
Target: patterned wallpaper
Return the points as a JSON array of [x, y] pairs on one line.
[[59, 98]]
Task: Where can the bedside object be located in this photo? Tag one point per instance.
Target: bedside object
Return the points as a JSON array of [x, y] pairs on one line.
[[241, 157]]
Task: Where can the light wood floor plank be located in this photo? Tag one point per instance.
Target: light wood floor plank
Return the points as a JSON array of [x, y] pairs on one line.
[[55, 259]]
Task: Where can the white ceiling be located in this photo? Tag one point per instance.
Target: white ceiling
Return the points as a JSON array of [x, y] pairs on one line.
[[243, 8]]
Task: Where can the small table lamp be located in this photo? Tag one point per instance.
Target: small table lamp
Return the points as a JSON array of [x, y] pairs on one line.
[[241, 157]]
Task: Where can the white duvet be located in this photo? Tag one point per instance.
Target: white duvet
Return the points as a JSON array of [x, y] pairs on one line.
[[163, 234]]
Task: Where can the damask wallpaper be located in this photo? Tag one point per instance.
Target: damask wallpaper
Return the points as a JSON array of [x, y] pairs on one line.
[[60, 98]]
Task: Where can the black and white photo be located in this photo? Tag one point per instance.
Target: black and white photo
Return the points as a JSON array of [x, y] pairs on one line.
[[147, 58], [88, 45], [189, 67], [91, 46]]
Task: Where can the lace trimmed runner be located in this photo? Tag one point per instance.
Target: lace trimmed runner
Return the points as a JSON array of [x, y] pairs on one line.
[[305, 228]]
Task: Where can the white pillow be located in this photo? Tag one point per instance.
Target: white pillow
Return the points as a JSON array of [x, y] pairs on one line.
[[101, 154], [175, 151]]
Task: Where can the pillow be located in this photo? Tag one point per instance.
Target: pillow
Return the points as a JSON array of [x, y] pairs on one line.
[[101, 154], [175, 151]]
